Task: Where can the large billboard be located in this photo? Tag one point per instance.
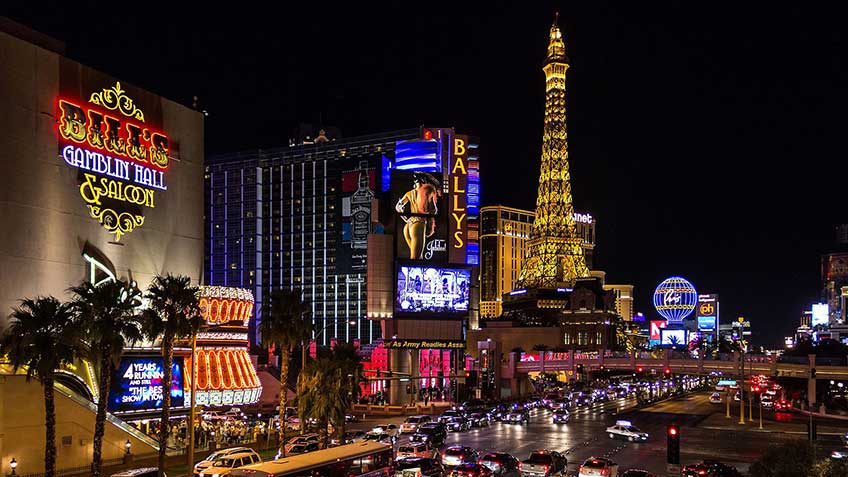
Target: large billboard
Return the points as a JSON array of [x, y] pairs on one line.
[[421, 208], [707, 312], [820, 314], [674, 337], [358, 186], [432, 290], [137, 384]]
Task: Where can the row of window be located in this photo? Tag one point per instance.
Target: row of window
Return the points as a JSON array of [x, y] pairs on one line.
[[583, 338]]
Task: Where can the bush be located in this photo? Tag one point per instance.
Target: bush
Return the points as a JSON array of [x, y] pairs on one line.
[[788, 459]]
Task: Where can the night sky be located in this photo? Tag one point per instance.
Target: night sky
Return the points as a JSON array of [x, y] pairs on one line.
[[708, 142]]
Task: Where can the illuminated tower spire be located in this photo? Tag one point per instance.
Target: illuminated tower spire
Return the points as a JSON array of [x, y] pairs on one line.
[[554, 253]]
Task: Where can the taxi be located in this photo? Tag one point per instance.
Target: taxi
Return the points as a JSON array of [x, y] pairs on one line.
[[626, 430]]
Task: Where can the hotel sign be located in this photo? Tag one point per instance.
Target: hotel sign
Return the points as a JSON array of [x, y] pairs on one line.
[[458, 230], [121, 159]]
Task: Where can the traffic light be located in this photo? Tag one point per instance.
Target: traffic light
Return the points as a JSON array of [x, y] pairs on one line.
[[640, 370], [667, 371], [673, 444]]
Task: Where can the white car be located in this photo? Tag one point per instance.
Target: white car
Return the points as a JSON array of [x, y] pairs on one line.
[[390, 429], [626, 430], [207, 462], [719, 387], [598, 467], [224, 465], [410, 425], [715, 398]]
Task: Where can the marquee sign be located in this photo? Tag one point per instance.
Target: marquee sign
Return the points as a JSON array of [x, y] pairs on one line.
[[121, 160], [423, 344]]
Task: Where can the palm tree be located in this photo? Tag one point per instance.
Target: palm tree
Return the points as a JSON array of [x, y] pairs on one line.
[[328, 386], [108, 319], [173, 313], [42, 337], [285, 323]]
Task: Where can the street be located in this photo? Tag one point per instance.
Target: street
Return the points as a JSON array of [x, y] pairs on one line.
[[584, 435]]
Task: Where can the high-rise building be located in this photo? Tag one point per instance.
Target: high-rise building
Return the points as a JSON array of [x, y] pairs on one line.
[[623, 300], [299, 217], [504, 233]]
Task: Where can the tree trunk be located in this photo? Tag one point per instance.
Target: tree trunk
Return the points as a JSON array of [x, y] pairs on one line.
[[50, 428], [342, 428], [164, 426], [324, 434], [102, 403], [303, 345], [284, 374]]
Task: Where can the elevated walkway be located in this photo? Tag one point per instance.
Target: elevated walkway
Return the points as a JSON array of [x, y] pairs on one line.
[[22, 429]]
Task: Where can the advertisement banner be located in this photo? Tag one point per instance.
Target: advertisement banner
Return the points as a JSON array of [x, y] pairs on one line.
[[358, 186], [422, 216], [656, 326], [673, 337], [821, 313], [458, 192], [137, 384], [423, 344], [706, 323], [432, 290]]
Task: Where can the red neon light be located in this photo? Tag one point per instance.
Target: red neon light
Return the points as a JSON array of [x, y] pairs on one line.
[[93, 127], [222, 369]]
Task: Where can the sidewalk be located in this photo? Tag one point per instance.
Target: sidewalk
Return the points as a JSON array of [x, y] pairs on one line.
[[718, 421]]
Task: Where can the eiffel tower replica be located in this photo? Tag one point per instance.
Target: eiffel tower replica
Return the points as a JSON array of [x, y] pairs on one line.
[[554, 262]]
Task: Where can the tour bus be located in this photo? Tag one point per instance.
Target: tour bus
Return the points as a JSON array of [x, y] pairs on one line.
[[360, 459]]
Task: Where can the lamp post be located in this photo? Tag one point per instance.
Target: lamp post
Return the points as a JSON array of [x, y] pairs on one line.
[[190, 429], [128, 446], [14, 465], [742, 390]]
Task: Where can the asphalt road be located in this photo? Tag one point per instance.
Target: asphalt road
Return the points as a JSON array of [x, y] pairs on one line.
[[584, 435]]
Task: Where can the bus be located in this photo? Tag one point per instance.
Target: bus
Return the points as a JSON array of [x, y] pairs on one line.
[[360, 459]]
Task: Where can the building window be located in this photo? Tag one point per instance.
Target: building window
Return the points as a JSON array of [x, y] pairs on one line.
[[582, 338], [566, 339], [598, 338]]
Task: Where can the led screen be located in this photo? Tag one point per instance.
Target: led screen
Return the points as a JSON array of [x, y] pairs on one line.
[[137, 384], [673, 337], [432, 290], [706, 323]]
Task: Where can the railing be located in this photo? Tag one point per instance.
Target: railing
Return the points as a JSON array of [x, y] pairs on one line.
[[131, 430], [86, 468]]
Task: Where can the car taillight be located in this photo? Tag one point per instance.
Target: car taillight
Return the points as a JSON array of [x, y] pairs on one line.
[[702, 472], [520, 466], [603, 471]]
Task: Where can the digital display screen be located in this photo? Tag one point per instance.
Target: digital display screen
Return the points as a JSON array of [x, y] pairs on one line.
[[432, 290], [673, 337], [137, 384], [706, 323], [820, 313]]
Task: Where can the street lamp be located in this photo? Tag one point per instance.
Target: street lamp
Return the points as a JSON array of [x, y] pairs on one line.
[[13, 464], [128, 445]]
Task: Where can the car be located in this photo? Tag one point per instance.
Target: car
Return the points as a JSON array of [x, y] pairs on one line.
[[379, 437], [457, 424], [559, 404], [767, 401], [637, 473], [234, 413], [710, 468], [351, 417], [411, 424], [390, 429], [737, 396], [472, 405], [782, 406], [303, 439], [561, 416], [302, 448], [213, 416], [598, 467], [350, 437], [517, 417], [479, 420], [457, 455], [433, 434], [140, 472], [543, 463], [719, 387], [501, 464], [626, 430], [581, 399], [471, 470], [207, 462], [419, 467], [715, 398], [449, 414], [224, 465], [415, 450], [498, 411]]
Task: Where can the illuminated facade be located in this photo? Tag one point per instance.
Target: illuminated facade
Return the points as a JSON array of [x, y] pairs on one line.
[[225, 374], [623, 300], [554, 253], [300, 217], [504, 234]]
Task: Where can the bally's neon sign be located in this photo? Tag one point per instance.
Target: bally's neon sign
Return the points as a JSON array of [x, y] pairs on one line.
[[123, 161], [458, 210]]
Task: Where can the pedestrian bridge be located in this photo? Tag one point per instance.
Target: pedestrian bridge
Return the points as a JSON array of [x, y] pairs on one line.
[[677, 362]]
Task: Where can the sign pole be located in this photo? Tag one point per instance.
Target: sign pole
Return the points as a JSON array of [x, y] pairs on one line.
[[193, 401]]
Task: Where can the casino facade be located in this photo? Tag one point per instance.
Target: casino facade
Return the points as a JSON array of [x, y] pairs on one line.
[[102, 180]]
